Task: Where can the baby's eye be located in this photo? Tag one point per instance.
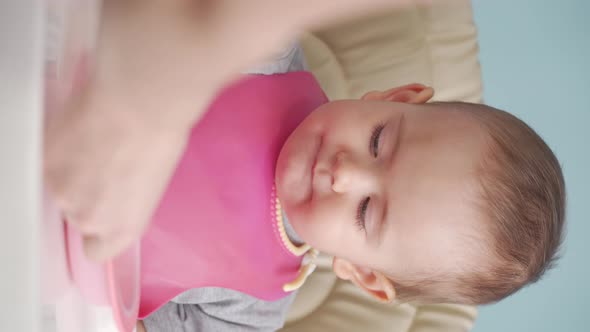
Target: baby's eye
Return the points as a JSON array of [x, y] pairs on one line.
[[361, 213], [375, 138]]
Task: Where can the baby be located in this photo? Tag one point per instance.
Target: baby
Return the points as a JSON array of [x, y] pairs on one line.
[[440, 202], [417, 202]]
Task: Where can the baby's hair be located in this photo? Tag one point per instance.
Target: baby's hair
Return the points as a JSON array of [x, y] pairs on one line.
[[522, 198]]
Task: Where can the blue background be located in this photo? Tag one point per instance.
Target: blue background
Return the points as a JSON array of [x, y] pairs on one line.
[[535, 58]]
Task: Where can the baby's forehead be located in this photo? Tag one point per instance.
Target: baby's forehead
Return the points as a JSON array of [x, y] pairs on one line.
[[453, 217], [448, 250], [448, 124], [471, 122]]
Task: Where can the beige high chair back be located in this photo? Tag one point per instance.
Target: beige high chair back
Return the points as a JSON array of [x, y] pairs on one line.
[[436, 46]]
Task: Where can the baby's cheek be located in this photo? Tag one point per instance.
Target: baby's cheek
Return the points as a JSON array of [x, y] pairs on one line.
[[334, 231], [309, 227]]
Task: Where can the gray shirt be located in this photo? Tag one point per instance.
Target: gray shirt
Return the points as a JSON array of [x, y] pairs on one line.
[[225, 310]]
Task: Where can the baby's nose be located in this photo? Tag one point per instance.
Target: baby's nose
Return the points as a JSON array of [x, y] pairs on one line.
[[349, 175]]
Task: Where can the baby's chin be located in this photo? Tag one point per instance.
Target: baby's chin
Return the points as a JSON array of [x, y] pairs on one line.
[[293, 170]]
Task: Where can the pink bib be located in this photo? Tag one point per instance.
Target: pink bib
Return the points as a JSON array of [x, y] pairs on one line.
[[217, 225]]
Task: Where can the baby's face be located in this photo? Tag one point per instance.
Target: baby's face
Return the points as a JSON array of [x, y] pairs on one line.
[[387, 186]]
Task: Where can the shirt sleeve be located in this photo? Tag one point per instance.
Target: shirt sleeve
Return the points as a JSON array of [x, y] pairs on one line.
[[288, 60], [219, 309]]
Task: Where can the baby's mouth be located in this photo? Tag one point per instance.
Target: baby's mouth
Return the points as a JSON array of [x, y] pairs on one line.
[[317, 154]]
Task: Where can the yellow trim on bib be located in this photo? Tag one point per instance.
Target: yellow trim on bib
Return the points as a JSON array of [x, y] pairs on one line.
[[297, 251], [308, 264]]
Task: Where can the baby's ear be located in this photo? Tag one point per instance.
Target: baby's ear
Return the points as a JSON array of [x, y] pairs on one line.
[[411, 94], [374, 283]]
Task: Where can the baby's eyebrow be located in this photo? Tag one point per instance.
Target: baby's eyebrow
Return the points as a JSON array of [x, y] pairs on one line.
[[382, 223], [399, 128], [395, 130]]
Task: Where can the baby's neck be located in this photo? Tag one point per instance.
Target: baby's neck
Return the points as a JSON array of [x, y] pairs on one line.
[[291, 232]]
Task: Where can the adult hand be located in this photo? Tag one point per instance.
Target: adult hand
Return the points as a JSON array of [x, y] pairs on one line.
[[111, 150]]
